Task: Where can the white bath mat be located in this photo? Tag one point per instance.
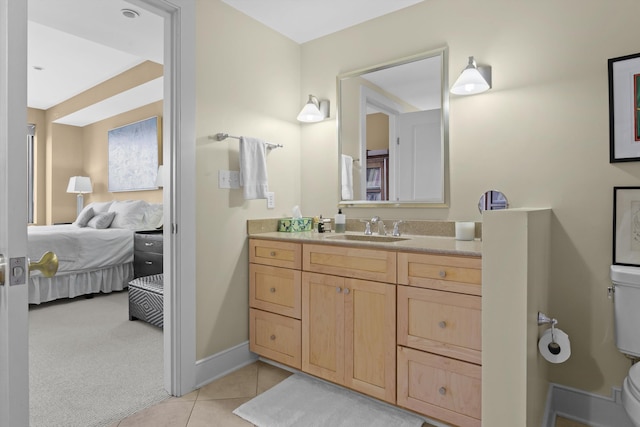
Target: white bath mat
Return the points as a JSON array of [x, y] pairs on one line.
[[302, 401]]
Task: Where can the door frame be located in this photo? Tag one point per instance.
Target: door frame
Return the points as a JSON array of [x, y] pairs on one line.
[[179, 195]]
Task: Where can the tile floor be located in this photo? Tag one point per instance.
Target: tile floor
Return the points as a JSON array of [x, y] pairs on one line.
[[211, 405]]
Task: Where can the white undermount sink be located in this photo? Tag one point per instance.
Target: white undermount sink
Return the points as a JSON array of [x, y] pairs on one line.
[[365, 238]]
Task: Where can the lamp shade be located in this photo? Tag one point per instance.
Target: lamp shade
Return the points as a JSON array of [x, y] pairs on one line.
[[472, 80], [314, 110], [79, 184], [159, 178]]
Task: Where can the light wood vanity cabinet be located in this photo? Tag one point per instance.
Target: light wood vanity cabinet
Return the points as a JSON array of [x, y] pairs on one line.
[[274, 300], [348, 334], [401, 327], [439, 336]]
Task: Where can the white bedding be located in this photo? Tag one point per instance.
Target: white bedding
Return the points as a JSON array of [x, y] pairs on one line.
[[81, 248], [90, 260]]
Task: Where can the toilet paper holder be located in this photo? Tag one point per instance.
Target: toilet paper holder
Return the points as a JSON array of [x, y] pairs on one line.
[[543, 319]]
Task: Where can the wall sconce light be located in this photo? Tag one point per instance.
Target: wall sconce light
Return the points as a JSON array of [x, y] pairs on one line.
[[314, 110], [80, 185], [473, 79], [159, 177]]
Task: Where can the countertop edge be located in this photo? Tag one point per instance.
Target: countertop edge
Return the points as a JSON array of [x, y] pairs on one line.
[[416, 244]]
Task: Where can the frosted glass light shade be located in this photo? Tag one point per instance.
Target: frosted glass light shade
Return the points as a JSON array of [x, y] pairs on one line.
[[472, 80], [314, 111], [79, 184]]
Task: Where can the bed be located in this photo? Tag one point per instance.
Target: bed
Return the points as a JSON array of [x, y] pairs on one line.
[[95, 253]]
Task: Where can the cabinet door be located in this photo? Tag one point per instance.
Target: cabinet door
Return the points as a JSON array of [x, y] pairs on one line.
[[370, 339], [323, 326]]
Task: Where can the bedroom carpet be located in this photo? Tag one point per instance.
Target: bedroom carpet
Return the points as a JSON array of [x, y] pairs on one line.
[[89, 365], [304, 401]]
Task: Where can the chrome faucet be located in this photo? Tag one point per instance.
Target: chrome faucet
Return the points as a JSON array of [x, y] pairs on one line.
[[396, 228], [382, 230]]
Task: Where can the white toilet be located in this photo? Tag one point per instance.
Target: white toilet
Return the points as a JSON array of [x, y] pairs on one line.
[[626, 297]]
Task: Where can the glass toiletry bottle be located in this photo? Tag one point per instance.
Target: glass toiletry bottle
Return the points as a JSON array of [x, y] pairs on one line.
[[340, 221], [320, 225]]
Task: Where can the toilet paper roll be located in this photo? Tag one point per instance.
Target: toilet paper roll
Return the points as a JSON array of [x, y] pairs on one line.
[[561, 339]]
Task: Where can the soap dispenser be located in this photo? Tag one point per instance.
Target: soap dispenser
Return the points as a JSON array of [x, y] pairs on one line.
[[340, 221]]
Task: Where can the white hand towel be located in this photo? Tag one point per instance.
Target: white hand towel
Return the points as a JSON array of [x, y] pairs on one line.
[[253, 168], [347, 177]]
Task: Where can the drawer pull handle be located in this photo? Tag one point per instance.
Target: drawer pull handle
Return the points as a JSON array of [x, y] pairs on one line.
[[442, 391], [442, 324], [272, 337], [346, 291], [442, 273], [272, 290], [338, 289], [272, 253], [149, 262], [148, 243]]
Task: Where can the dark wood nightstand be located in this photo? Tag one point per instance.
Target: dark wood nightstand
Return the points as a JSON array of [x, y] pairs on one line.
[[147, 253]]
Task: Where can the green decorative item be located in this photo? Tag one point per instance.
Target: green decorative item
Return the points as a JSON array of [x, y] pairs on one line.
[[295, 224]]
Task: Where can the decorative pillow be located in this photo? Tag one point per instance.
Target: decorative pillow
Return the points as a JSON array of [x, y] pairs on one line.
[[96, 206], [129, 214], [101, 220], [153, 217], [84, 217]]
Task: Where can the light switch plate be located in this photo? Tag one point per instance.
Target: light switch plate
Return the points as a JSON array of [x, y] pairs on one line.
[[271, 200], [228, 179]]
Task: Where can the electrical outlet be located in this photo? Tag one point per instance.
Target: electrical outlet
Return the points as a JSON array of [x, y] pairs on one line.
[[271, 200]]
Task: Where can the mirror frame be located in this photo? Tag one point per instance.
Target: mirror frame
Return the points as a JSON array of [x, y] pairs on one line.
[[443, 52]]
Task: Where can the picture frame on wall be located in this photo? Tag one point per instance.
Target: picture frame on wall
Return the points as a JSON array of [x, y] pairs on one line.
[[134, 156], [624, 108], [626, 226]]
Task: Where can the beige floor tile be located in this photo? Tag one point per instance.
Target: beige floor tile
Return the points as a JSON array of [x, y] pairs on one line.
[[241, 383], [189, 397], [269, 375], [217, 413], [171, 413]]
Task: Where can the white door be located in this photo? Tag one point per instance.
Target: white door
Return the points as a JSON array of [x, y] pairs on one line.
[[418, 160], [14, 364]]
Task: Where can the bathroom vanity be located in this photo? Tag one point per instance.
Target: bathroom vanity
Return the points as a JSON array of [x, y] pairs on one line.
[[396, 319]]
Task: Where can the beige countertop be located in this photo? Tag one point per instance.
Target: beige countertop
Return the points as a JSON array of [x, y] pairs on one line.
[[413, 243]]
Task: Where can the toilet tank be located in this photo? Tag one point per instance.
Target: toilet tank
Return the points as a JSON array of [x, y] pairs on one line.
[[626, 299]]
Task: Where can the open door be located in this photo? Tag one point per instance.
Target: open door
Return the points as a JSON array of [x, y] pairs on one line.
[[14, 364]]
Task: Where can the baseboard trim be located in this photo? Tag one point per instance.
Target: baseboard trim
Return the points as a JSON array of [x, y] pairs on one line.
[[220, 364], [584, 407]]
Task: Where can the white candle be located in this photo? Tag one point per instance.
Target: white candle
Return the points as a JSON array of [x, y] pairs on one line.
[[465, 230]]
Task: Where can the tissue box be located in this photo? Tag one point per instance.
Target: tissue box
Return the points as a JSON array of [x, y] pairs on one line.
[[295, 224]]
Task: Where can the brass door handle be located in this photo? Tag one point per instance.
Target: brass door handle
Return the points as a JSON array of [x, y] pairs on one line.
[[47, 265]]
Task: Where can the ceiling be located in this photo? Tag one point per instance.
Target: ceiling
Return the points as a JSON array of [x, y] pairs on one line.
[[74, 45]]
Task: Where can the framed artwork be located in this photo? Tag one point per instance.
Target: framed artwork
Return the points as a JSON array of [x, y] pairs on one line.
[[133, 156], [624, 108], [626, 226]]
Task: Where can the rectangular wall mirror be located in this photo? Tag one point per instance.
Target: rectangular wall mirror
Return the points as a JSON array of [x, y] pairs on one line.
[[393, 131]]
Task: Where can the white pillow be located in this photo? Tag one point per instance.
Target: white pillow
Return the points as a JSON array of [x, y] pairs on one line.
[[153, 217], [97, 207], [129, 214], [84, 217], [101, 220]]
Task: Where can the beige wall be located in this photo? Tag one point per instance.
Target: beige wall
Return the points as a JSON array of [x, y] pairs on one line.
[[64, 159], [540, 135], [247, 83], [377, 131]]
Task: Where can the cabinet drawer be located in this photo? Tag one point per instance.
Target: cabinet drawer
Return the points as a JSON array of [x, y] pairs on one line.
[[275, 289], [278, 254], [448, 273], [368, 264], [148, 243], [440, 387], [147, 263], [275, 337], [445, 323]]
